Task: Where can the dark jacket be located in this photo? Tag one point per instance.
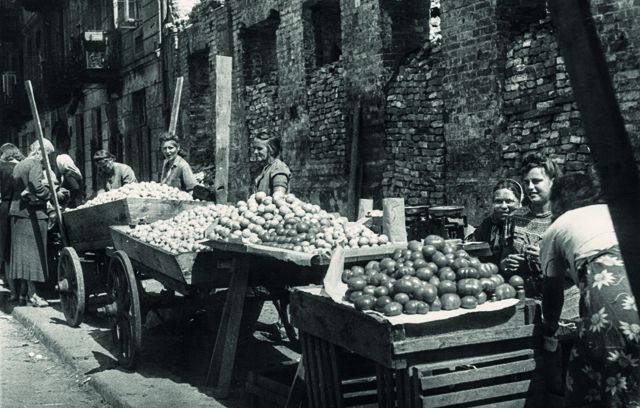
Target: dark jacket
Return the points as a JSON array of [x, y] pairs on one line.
[[27, 175]]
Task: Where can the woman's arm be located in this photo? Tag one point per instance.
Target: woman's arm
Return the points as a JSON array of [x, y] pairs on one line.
[[35, 185], [188, 179]]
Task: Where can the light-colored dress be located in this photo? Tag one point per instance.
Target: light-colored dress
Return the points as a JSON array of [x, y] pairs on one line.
[[604, 365]]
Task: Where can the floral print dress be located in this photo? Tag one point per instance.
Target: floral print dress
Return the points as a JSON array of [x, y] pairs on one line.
[[604, 365]]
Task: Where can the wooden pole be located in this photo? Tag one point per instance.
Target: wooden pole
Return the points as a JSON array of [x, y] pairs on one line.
[[175, 108], [45, 156], [223, 126], [353, 191], [603, 124]]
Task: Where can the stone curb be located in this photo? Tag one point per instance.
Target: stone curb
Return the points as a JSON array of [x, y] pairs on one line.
[[118, 388]]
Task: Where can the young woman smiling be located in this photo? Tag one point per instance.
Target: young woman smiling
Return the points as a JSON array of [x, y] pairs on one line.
[[176, 171]]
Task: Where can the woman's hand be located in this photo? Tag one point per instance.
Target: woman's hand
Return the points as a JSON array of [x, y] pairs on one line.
[[532, 252], [511, 262]]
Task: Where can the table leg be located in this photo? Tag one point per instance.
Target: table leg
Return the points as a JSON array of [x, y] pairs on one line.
[[222, 361], [386, 393]]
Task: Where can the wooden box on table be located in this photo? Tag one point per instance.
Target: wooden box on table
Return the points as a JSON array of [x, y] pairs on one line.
[[477, 359]]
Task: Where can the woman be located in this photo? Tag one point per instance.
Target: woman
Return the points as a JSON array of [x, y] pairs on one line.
[[29, 223], [111, 174], [10, 155], [507, 196], [275, 175], [176, 171], [604, 364], [530, 222], [71, 180]]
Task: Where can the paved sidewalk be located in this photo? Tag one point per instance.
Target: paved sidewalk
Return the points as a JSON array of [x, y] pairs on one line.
[[172, 367]]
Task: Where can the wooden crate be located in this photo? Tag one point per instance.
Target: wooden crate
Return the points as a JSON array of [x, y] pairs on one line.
[[88, 228], [417, 365]]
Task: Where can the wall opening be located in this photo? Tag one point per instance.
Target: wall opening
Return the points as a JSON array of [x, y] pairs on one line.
[[259, 43], [201, 120], [322, 33], [405, 28]]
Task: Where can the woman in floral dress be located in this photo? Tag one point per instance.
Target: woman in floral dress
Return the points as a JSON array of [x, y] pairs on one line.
[[604, 365]]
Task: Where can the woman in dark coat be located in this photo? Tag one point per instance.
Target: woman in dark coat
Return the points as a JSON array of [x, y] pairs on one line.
[[10, 155], [29, 223], [71, 180]]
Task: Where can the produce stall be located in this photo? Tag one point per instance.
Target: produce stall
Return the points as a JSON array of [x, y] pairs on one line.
[[449, 332], [87, 229]]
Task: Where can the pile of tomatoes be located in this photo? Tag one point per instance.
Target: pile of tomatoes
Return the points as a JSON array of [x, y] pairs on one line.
[[426, 277], [145, 189]]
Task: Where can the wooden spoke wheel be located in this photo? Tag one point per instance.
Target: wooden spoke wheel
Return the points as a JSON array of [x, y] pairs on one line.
[[122, 290], [71, 286]]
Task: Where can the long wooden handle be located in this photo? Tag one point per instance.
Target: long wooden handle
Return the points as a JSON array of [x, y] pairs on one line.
[[45, 156], [175, 108]]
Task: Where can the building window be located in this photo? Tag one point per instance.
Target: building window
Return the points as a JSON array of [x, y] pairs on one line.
[[127, 13], [323, 33], [8, 86], [259, 43]]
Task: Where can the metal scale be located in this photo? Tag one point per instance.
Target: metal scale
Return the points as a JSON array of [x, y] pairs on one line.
[[446, 221]]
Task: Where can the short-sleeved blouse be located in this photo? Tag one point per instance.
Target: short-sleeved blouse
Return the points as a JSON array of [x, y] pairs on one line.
[[274, 174]]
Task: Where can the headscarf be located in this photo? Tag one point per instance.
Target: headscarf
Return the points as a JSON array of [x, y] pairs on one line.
[[35, 146], [65, 163]]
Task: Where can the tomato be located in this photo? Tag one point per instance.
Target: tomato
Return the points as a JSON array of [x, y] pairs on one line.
[[447, 286], [435, 240], [468, 272], [357, 270], [357, 283], [402, 286], [482, 297], [365, 302], [450, 301], [494, 268], [369, 290], [381, 302], [424, 273], [461, 253], [415, 245], [448, 249], [346, 275], [497, 278], [475, 262], [387, 264], [446, 273], [302, 227], [516, 280], [440, 259], [484, 270], [469, 287], [373, 265], [401, 298], [450, 257], [429, 293], [469, 302], [436, 305], [397, 254], [392, 309], [405, 271], [488, 285], [406, 253], [411, 307], [416, 255], [415, 281], [459, 263], [428, 251], [354, 295], [505, 291], [381, 291], [419, 263], [422, 308], [434, 280], [434, 268]]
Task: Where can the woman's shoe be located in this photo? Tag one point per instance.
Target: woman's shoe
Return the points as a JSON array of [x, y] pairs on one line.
[[37, 301]]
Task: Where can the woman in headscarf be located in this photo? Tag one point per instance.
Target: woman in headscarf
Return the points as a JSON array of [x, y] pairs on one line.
[[10, 155], [604, 364], [71, 180], [176, 171], [275, 175], [29, 222]]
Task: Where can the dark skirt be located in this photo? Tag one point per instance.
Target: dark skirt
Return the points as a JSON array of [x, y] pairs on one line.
[[5, 231], [28, 249], [604, 365]]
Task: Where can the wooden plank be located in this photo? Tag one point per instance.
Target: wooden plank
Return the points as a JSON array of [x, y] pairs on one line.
[[45, 159], [386, 390], [224, 92], [393, 221], [484, 393], [439, 365], [175, 107], [223, 357], [604, 126], [530, 401], [311, 374], [296, 392], [322, 374], [335, 373], [355, 164], [476, 374]]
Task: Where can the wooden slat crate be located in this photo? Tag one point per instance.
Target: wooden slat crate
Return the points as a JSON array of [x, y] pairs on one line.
[[480, 359]]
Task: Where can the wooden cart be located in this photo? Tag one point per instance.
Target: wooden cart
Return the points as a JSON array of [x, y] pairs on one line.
[[89, 238], [189, 273], [488, 359]]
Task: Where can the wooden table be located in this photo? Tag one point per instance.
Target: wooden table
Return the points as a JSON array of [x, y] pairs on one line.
[[422, 364]]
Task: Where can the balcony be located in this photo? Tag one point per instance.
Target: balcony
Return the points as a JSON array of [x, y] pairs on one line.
[[96, 56]]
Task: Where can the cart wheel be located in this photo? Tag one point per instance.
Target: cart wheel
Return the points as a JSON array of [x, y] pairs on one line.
[[122, 289], [71, 286]]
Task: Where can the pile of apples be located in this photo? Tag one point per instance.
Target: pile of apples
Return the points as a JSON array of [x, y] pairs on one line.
[[183, 232], [146, 189], [287, 222], [426, 277]]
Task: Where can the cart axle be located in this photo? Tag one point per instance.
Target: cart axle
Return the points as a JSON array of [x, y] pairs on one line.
[[108, 310], [63, 286]]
